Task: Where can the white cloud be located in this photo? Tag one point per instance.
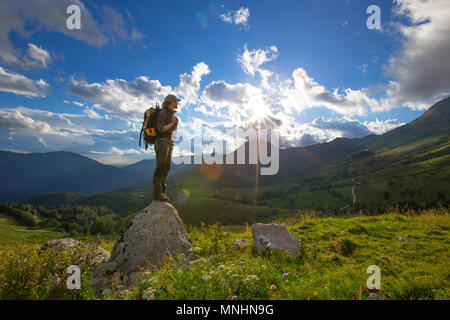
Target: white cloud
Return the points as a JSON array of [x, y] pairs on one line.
[[190, 83], [121, 98], [251, 62], [21, 85], [41, 56], [421, 69], [238, 17], [77, 103], [115, 26], [121, 152], [46, 15], [14, 119], [129, 100], [380, 127], [307, 93], [44, 130]]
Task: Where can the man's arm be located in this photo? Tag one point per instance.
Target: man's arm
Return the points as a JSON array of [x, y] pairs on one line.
[[165, 121]]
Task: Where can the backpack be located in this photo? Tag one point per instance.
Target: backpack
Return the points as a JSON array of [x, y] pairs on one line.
[[149, 126]]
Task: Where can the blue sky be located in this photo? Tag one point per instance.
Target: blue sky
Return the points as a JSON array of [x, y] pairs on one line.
[[310, 69]]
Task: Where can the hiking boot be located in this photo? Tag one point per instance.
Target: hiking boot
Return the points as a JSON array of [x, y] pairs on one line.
[[160, 197], [157, 192]]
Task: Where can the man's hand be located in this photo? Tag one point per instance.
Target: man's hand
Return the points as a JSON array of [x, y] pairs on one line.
[[174, 121]]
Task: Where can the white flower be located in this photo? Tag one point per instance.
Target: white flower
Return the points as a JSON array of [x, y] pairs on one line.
[[206, 277], [251, 277], [149, 294]]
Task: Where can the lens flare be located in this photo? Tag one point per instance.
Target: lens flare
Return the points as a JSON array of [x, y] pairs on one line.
[[203, 18], [187, 193]]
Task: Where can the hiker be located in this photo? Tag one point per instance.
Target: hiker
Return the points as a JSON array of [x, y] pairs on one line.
[[166, 125]]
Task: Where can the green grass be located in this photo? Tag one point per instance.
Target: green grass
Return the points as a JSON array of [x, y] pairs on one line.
[[12, 234], [197, 210], [332, 264]]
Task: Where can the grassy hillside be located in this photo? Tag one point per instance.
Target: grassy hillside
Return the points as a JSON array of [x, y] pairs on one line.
[[332, 265]]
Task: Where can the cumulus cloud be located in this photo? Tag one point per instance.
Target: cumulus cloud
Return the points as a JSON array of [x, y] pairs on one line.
[[380, 127], [14, 119], [190, 83], [238, 17], [41, 56], [119, 97], [43, 130], [21, 85], [421, 69], [46, 15], [252, 60], [307, 93], [129, 100]]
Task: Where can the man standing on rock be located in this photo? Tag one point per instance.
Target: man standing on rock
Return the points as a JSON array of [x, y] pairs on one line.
[[166, 126]]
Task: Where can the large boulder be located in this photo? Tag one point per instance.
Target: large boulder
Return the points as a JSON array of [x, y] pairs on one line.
[[275, 237], [155, 232]]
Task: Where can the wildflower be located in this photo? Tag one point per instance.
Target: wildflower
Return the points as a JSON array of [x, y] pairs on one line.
[[233, 297], [212, 273], [206, 277], [149, 294], [273, 287], [252, 277], [221, 266], [285, 275], [193, 288]]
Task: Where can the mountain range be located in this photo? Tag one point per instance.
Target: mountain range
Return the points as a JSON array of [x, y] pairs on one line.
[[409, 163]]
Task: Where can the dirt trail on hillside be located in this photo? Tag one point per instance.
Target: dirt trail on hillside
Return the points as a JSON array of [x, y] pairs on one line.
[[14, 229]]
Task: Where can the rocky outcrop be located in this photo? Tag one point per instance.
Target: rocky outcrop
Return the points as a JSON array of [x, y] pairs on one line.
[[155, 232], [85, 254], [154, 236], [67, 252], [275, 237]]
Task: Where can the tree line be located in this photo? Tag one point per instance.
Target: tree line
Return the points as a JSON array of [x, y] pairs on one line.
[[74, 220]]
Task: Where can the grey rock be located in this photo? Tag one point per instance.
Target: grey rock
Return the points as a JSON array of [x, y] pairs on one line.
[[87, 253], [100, 275], [275, 237], [374, 296], [156, 231], [240, 243]]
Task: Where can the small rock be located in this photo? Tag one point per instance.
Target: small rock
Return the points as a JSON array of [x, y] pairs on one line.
[[275, 237], [101, 274], [374, 296], [240, 243]]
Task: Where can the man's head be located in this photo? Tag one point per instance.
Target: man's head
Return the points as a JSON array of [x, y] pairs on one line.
[[171, 101]]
